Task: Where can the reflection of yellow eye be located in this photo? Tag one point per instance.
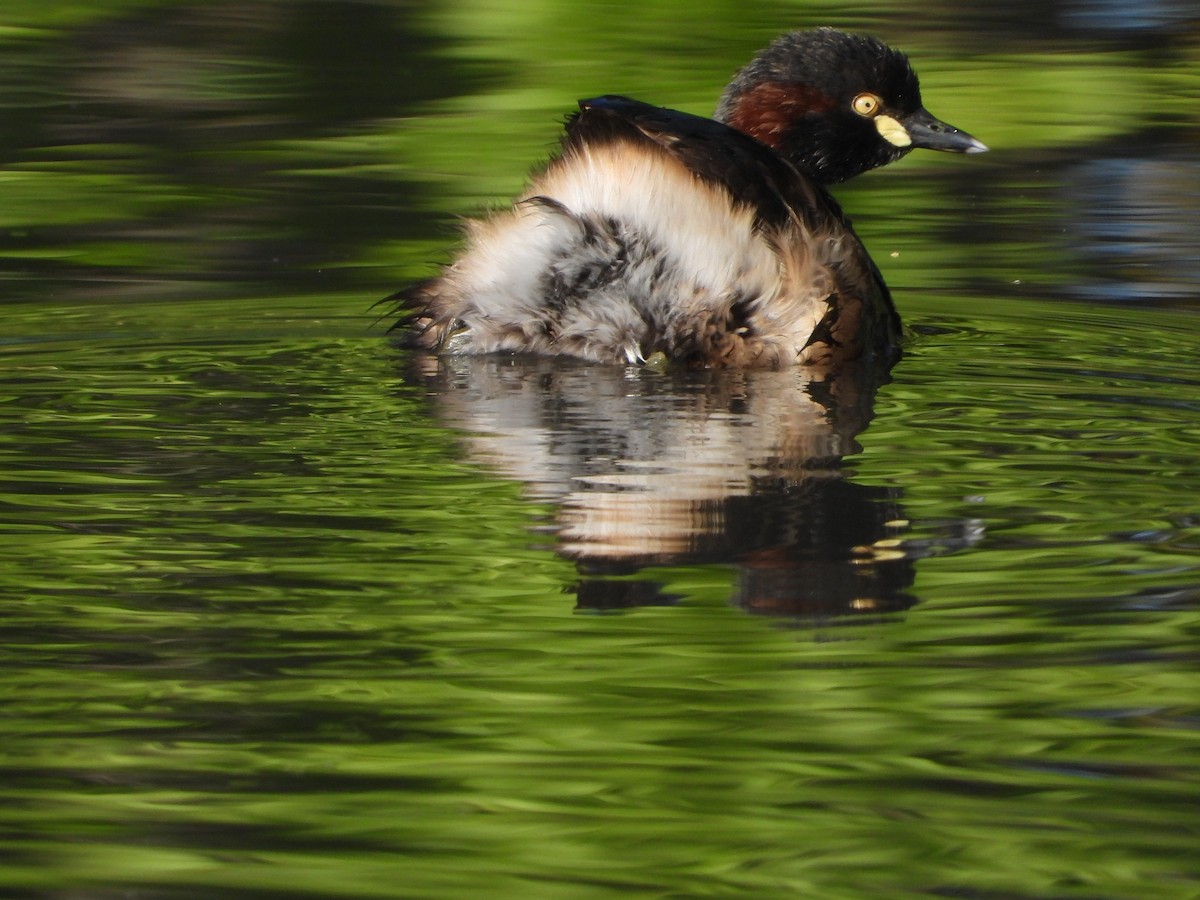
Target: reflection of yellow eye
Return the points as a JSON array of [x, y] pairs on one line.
[[867, 105]]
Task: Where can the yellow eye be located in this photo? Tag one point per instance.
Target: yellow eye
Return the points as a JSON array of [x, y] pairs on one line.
[[867, 105]]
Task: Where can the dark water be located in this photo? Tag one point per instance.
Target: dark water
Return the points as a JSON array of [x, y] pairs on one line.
[[288, 613]]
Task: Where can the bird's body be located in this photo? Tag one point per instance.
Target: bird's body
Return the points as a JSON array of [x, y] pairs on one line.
[[654, 232]]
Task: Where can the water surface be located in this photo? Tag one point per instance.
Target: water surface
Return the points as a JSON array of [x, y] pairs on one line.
[[292, 613]]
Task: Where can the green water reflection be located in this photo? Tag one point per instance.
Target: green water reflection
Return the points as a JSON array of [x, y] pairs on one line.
[[288, 613]]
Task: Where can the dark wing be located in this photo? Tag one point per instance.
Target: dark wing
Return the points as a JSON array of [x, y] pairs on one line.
[[752, 172]]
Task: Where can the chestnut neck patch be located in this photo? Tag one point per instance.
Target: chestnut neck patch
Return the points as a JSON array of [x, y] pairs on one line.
[[767, 110]]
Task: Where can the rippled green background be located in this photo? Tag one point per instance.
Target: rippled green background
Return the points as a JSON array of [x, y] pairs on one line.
[[277, 624]]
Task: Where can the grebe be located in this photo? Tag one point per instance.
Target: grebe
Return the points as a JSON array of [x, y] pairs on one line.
[[658, 234]]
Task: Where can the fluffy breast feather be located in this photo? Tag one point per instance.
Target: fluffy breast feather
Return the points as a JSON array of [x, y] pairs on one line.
[[618, 251]]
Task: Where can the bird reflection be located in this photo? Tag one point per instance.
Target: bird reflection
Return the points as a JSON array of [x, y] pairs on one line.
[[649, 469]]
